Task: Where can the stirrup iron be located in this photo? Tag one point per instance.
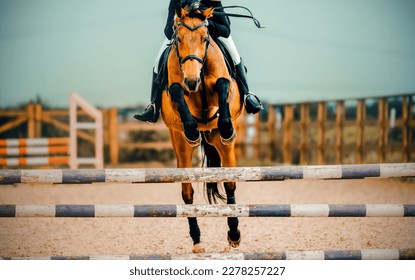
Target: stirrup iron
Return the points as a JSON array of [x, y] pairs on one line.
[[153, 105], [251, 94]]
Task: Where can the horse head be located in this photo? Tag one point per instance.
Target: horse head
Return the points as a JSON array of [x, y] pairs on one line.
[[191, 41]]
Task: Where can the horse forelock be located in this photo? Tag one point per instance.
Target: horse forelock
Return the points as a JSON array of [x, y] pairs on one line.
[[192, 14], [195, 13], [191, 23]]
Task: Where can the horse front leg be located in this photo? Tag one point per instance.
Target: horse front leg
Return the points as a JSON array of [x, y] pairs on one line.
[[227, 153], [184, 154], [194, 230], [226, 129], [228, 158], [234, 235], [191, 132]]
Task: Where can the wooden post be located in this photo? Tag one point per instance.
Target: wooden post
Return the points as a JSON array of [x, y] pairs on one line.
[[257, 139], [272, 131], [321, 119], [30, 111], [240, 150], [340, 118], [251, 139], [304, 121], [410, 140], [360, 128], [288, 121], [73, 139], [38, 120], [387, 125], [113, 141], [382, 113], [406, 155], [99, 139]]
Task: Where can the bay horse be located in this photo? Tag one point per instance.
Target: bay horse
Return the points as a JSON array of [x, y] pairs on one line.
[[201, 106]]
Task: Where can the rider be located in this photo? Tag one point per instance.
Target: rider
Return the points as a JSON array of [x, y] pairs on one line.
[[219, 28]]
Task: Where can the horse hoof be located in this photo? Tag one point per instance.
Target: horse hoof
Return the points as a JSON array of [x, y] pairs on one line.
[[194, 143], [230, 140], [198, 249], [233, 243]]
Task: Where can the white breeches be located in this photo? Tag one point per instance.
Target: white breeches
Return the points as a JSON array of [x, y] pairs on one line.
[[228, 42], [230, 46], [162, 48]]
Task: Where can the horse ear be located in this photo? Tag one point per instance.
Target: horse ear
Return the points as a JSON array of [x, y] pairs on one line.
[[208, 13], [180, 12], [183, 12]]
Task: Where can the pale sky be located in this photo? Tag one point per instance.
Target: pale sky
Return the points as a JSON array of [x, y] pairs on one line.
[[104, 50]]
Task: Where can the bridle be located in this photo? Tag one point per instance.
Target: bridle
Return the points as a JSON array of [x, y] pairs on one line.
[[205, 119], [191, 57]]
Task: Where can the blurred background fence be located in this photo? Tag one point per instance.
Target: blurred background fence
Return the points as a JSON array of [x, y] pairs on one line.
[[375, 130]]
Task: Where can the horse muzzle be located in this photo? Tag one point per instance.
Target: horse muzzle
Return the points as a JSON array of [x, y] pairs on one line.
[[192, 84]]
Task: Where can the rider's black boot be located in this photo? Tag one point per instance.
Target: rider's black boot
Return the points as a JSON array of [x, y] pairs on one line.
[[252, 103], [152, 111]]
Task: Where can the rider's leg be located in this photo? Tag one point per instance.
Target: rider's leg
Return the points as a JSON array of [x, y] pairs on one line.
[[152, 111], [252, 103]]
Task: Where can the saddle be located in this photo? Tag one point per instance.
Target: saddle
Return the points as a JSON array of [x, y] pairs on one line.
[[161, 78]]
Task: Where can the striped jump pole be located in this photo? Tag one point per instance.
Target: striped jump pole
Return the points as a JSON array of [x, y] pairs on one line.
[[236, 174], [34, 151], [34, 161], [367, 254], [169, 211], [19, 142]]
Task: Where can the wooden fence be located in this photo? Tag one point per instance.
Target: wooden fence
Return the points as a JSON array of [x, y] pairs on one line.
[[338, 132], [360, 131], [34, 116]]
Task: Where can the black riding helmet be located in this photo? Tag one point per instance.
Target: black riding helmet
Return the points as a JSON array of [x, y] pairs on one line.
[[194, 4]]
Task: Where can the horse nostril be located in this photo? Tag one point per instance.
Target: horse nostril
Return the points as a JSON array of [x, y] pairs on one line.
[[192, 84]]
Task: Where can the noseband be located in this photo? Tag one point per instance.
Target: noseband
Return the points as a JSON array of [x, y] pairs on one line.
[[191, 57]]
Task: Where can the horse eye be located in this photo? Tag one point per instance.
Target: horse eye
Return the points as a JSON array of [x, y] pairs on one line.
[[179, 40]]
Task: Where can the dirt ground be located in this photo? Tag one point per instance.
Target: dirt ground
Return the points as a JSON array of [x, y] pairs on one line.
[[143, 236]]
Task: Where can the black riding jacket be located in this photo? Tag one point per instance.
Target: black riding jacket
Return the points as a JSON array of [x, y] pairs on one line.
[[219, 26]]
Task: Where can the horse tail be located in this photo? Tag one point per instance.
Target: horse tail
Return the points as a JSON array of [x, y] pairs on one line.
[[212, 160]]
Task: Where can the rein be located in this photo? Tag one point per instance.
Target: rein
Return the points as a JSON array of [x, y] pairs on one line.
[[250, 16]]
